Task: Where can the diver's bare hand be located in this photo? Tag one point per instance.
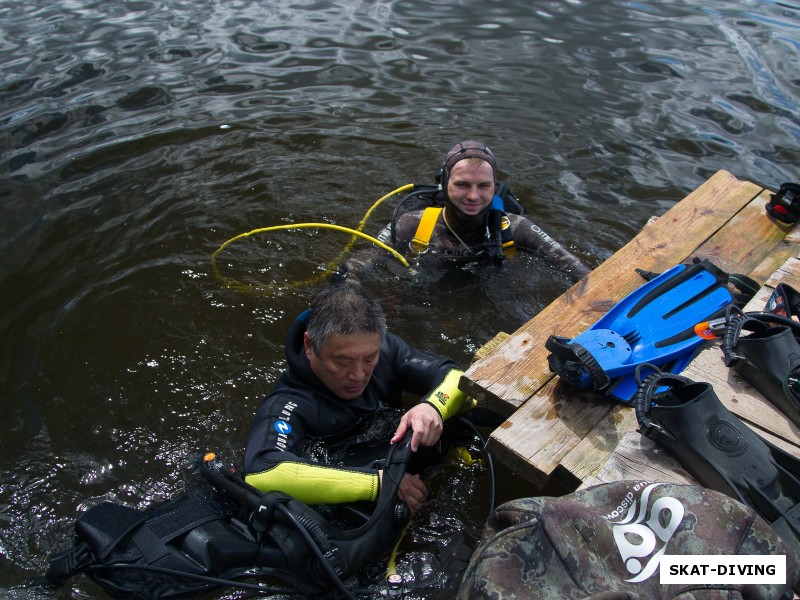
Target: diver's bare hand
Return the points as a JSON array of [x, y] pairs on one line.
[[426, 423], [412, 490]]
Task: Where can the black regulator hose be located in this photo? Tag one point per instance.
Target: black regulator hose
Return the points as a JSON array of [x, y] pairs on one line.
[[326, 565], [255, 587], [492, 481], [244, 494], [495, 231]]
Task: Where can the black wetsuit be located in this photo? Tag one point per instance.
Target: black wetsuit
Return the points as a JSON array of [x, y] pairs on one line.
[[300, 407]]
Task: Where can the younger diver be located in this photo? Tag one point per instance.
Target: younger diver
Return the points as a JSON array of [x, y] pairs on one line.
[[478, 219]]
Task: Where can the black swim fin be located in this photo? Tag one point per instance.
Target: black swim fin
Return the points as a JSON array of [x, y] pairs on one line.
[[784, 301], [768, 357], [720, 451]]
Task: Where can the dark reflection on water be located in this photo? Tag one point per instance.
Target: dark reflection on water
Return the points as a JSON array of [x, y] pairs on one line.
[[137, 137]]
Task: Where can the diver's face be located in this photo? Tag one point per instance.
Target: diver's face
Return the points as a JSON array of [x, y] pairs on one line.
[[470, 186], [346, 362]]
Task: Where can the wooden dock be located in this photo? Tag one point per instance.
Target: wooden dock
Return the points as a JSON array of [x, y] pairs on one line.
[[553, 435]]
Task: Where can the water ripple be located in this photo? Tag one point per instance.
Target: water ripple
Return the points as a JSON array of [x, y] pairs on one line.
[[137, 137]]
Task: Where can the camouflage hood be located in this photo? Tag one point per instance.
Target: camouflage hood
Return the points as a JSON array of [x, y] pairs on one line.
[[606, 542]]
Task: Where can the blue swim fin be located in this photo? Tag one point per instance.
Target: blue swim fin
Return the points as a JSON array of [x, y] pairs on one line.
[[654, 324]]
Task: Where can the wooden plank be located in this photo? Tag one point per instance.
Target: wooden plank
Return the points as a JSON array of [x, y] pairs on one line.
[[516, 369], [788, 272], [561, 422], [785, 249], [640, 458], [750, 239], [587, 458], [548, 446], [539, 451], [499, 338]]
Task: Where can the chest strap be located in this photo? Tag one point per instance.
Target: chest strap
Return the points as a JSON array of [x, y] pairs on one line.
[[427, 222]]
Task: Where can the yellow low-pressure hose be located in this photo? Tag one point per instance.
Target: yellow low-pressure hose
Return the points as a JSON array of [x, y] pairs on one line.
[[356, 234], [378, 202]]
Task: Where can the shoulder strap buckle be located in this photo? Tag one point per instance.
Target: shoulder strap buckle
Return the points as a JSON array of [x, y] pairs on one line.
[[422, 236]]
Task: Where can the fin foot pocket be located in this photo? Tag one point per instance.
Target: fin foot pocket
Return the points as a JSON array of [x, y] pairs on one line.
[[720, 451]]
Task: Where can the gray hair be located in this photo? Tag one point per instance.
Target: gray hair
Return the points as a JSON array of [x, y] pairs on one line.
[[343, 308]]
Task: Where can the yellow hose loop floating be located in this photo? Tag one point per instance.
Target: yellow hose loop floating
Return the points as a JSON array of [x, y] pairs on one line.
[[247, 288], [378, 202], [356, 233]]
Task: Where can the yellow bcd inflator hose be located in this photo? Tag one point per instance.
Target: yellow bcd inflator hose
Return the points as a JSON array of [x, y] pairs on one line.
[[356, 233]]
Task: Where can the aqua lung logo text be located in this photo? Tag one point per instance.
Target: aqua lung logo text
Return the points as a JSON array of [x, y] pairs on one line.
[[644, 530], [283, 425]]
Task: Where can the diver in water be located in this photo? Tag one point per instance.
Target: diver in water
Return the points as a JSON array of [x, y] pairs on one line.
[[472, 217], [343, 368]]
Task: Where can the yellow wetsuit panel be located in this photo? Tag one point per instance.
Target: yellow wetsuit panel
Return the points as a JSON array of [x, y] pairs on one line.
[[448, 399], [317, 484]]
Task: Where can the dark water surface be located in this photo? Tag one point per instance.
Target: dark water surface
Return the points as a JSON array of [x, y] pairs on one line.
[[138, 136]]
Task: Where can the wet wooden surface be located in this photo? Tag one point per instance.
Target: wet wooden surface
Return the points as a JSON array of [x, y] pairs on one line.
[[552, 432]]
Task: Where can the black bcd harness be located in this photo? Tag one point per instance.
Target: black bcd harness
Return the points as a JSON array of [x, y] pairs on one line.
[[222, 529]]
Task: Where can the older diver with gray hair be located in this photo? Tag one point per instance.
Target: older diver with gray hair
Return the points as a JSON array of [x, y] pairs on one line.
[[343, 368]]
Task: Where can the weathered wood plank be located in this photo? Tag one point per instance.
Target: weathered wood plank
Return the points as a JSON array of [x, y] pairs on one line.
[[788, 272], [750, 239], [546, 449], [587, 458], [517, 368], [499, 338], [577, 431], [560, 423], [785, 249], [639, 458]]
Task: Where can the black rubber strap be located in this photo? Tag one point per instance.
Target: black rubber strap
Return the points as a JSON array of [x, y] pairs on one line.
[[570, 360], [600, 380], [749, 321], [642, 400]]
